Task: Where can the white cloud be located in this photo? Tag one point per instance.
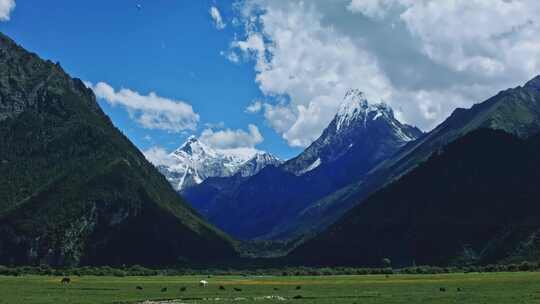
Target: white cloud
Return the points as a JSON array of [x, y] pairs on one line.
[[6, 7], [231, 139], [431, 106], [159, 157], [151, 111], [255, 107], [424, 58], [218, 125], [281, 117], [489, 38], [216, 17], [311, 64], [231, 56], [493, 35], [371, 8], [254, 44]]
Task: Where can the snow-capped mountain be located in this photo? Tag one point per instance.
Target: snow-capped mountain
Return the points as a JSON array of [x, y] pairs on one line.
[[258, 162], [372, 126], [195, 161], [360, 137], [356, 109]]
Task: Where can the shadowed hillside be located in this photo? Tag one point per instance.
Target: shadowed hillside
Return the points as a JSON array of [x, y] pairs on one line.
[[475, 201]]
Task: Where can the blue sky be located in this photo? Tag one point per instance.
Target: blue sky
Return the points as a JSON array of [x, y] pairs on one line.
[[168, 47], [170, 70]]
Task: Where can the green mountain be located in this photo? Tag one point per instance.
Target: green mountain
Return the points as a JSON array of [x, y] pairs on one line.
[[476, 201], [74, 190], [515, 111]]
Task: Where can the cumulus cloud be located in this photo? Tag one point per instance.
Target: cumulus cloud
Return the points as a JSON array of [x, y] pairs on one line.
[[231, 56], [255, 107], [159, 157], [6, 7], [232, 139], [371, 8], [150, 111], [281, 117], [313, 65], [491, 38], [496, 37], [216, 17], [424, 58]]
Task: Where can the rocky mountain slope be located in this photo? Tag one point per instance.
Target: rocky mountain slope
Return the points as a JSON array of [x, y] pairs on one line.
[[74, 190], [195, 162], [268, 204]]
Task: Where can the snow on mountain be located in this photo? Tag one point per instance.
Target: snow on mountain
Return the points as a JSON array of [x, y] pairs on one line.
[[195, 161], [257, 163], [356, 107], [357, 123], [288, 198]]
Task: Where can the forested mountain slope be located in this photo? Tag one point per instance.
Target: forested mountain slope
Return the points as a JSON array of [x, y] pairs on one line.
[[73, 189]]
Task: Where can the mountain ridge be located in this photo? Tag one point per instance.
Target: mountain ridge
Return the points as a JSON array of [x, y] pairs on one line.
[[480, 209], [194, 161], [514, 111]]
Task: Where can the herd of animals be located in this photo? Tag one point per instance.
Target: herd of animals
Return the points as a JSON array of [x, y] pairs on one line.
[[204, 284]]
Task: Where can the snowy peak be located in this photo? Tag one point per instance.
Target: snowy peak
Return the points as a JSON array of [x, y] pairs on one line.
[[360, 130], [195, 161], [264, 157], [354, 96], [356, 107], [190, 142], [193, 147], [258, 162], [356, 112]]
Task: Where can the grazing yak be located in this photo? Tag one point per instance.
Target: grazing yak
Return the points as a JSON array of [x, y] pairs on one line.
[[65, 280], [139, 288], [203, 283], [221, 287], [237, 289], [164, 289], [183, 289]]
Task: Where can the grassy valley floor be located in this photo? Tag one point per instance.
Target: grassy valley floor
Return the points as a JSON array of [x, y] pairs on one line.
[[490, 288]]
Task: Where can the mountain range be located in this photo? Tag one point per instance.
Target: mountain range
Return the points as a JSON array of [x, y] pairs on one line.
[[515, 111], [464, 193], [74, 190], [196, 161], [268, 204]]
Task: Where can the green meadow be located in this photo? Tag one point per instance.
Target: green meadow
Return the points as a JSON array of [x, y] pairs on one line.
[[519, 287]]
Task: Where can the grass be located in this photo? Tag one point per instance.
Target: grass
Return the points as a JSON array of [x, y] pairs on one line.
[[489, 288]]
